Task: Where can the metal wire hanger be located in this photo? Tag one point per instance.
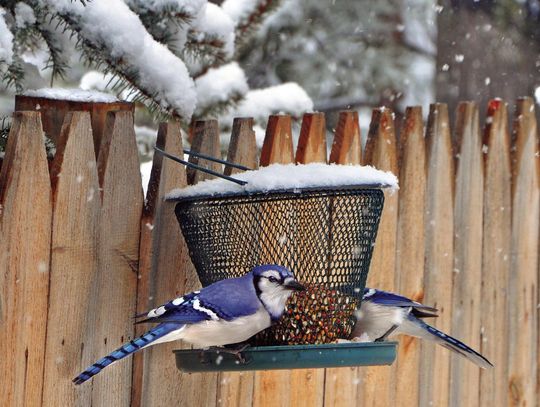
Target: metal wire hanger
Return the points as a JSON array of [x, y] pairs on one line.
[[204, 169]]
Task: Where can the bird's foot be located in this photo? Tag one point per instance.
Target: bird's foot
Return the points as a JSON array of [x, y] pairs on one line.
[[386, 334], [237, 352]]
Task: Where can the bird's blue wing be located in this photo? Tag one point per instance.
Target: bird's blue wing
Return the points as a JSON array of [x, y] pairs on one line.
[[224, 300], [232, 298], [393, 300]]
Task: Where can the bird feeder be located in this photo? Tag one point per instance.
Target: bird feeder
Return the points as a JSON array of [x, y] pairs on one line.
[[318, 220]]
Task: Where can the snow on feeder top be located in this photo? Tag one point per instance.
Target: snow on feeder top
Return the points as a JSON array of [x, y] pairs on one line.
[[318, 220]]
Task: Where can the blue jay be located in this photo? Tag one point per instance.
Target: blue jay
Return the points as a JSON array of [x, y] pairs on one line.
[[226, 312], [383, 313]]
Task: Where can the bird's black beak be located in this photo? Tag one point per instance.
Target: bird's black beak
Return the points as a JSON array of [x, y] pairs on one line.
[[294, 285]]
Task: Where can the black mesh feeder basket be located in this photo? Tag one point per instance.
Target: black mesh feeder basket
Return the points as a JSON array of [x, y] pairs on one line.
[[325, 235]]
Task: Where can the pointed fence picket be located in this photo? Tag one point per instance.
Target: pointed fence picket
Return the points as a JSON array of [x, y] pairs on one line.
[[467, 272], [236, 389], [274, 386], [118, 254], [165, 272], [410, 245], [307, 385], [523, 282], [76, 215], [341, 384], [25, 228], [80, 254], [496, 256], [439, 233], [381, 152]]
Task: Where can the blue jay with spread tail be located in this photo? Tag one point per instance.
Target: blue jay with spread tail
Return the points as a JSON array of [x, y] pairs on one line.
[[383, 313], [226, 312]]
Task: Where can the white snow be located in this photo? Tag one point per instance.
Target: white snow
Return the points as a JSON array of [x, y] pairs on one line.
[[261, 103], [291, 177], [216, 23], [94, 80], [146, 170], [24, 15], [74, 95], [191, 7], [240, 10], [6, 40], [537, 95], [112, 25], [220, 85]]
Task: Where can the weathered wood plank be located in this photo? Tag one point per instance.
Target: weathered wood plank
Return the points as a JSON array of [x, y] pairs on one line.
[[496, 255], [170, 274], [76, 212], [236, 389], [273, 387], [307, 385], [468, 210], [278, 145], [410, 245], [25, 227], [439, 232], [523, 284], [119, 234], [377, 388], [312, 142], [243, 146], [347, 144], [341, 385], [206, 141]]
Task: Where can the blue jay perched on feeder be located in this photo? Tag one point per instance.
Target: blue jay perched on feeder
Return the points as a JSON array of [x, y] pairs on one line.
[[383, 313], [226, 312]]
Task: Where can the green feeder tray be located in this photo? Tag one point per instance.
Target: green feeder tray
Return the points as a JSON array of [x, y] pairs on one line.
[[288, 357]]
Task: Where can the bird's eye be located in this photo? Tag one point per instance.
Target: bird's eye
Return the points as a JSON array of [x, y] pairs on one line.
[[272, 279]]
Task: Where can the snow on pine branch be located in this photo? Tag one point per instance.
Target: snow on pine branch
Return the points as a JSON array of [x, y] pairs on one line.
[[243, 12], [240, 10], [6, 41], [278, 177], [285, 98], [188, 7], [220, 85], [24, 15], [215, 23], [110, 25]]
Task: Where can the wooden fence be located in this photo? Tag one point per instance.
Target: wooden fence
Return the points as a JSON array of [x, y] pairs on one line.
[[81, 251]]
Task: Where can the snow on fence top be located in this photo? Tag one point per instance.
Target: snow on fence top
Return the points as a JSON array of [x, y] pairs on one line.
[[279, 177], [73, 95]]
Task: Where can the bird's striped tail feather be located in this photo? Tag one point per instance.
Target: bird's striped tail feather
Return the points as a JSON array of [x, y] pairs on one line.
[[415, 327], [126, 350]]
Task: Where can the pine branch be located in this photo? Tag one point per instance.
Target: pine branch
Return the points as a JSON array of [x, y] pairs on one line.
[[249, 25], [5, 127], [219, 108], [98, 57], [162, 22], [24, 38], [209, 49], [57, 60]]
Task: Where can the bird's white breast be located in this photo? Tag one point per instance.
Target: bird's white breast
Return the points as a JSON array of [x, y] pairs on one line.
[[219, 333], [375, 320]]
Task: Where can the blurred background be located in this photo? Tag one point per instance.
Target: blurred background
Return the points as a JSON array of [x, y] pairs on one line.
[[343, 54]]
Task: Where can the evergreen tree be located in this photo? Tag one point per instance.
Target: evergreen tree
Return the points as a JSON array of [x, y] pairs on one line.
[[349, 53], [175, 56]]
